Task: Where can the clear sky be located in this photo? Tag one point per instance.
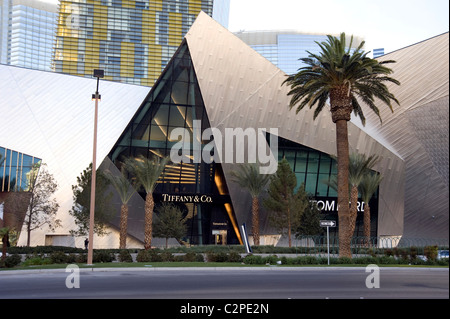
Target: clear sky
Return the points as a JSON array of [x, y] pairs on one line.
[[388, 24]]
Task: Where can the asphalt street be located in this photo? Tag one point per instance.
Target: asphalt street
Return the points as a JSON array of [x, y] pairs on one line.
[[227, 283]]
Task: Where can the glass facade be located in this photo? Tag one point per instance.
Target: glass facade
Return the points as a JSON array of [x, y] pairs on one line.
[[27, 33], [313, 169], [132, 41], [14, 170], [197, 188], [285, 48]]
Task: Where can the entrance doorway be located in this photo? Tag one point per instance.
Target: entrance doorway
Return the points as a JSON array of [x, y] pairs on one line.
[[220, 237]]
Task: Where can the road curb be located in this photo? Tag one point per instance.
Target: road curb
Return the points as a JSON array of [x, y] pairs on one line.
[[156, 269]]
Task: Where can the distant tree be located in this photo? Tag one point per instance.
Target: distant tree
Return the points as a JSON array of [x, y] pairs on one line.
[[82, 198], [309, 224], [286, 205], [41, 209], [169, 223], [249, 178]]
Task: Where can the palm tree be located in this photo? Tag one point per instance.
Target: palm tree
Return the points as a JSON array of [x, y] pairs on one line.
[[368, 186], [147, 172], [122, 186], [358, 168], [248, 177], [344, 78]]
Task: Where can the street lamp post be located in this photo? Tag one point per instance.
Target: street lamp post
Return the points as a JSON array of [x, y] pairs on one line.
[[97, 74]]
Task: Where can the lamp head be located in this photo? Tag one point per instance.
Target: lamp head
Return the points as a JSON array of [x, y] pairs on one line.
[[99, 73]]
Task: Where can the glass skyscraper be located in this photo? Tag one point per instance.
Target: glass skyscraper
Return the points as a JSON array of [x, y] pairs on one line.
[[27, 33], [285, 48], [132, 41]]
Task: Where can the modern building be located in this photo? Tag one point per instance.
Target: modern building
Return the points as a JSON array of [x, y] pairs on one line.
[[15, 179], [284, 48], [27, 33], [132, 41], [378, 52], [215, 81]]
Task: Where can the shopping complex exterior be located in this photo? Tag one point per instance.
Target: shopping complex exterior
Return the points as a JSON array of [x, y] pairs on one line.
[[216, 83]]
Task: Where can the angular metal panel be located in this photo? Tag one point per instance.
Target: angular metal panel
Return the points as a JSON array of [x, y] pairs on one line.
[[241, 88], [51, 116]]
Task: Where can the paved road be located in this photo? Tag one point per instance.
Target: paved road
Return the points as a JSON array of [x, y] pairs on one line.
[[228, 283]]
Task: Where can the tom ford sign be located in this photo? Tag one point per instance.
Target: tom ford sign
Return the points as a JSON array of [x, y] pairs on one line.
[[186, 198], [331, 205]]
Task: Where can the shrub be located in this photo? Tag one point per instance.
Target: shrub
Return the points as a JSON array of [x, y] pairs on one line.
[[270, 260], [345, 260], [33, 261], [101, 256], [143, 256], [164, 256], [253, 260], [413, 252], [217, 256], [431, 252], [58, 257], [388, 252], [125, 256], [192, 256], [386, 260], [11, 261], [234, 257], [81, 258]]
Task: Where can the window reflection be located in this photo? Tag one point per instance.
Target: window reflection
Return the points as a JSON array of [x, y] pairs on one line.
[[15, 170]]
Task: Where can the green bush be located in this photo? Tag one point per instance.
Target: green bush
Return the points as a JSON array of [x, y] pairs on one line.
[[192, 256], [101, 256], [217, 256], [11, 261], [271, 260], [431, 252], [143, 256], [386, 260], [234, 257], [81, 258], [125, 256], [34, 261], [253, 260], [58, 257], [165, 256]]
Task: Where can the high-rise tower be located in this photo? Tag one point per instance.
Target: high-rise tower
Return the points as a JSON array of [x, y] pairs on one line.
[[132, 41]]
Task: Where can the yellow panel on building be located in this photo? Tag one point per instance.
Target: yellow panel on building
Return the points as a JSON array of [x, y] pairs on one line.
[[195, 6], [175, 28], [156, 5], [91, 56], [128, 3]]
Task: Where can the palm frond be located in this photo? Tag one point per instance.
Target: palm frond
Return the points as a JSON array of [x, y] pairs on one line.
[[338, 66]]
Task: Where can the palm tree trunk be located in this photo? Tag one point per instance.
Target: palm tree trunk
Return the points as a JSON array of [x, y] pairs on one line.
[[343, 194], [148, 221], [289, 228], [353, 209], [255, 221], [29, 230], [367, 223], [123, 226]]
